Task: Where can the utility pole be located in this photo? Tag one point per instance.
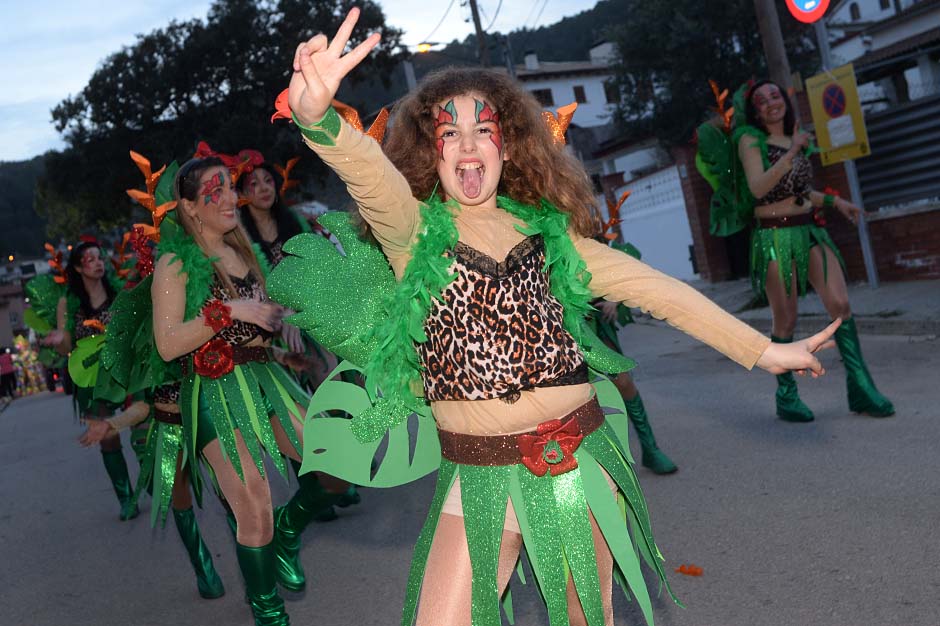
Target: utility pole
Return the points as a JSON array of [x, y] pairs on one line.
[[507, 51], [483, 50], [769, 24]]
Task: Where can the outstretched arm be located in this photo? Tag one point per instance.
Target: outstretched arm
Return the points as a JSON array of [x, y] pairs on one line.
[[382, 193], [619, 277]]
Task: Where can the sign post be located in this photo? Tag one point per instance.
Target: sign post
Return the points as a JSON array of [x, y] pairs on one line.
[[841, 133]]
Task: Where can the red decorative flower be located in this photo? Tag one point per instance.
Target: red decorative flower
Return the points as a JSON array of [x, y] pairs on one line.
[[214, 359], [552, 448], [281, 107], [819, 216], [217, 314]]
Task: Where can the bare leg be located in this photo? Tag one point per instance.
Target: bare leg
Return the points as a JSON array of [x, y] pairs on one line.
[[250, 499], [445, 593], [605, 570], [782, 305], [830, 285], [181, 497], [626, 386]]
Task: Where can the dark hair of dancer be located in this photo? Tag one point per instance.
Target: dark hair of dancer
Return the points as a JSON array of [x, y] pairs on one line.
[[287, 224], [74, 279], [750, 111]]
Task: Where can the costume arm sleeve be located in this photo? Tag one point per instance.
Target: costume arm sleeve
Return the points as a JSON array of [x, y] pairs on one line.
[[381, 192], [172, 336], [132, 415], [619, 277], [61, 312]]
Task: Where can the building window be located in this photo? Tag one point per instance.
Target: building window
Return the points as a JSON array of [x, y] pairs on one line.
[[596, 182], [544, 96], [610, 92], [885, 4], [855, 12], [579, 96]]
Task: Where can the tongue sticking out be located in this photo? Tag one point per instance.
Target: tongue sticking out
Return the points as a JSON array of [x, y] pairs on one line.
[[472, 181]]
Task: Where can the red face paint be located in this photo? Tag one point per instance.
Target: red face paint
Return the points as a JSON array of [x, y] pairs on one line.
[[212, 188], [446, 116], [485, 113]]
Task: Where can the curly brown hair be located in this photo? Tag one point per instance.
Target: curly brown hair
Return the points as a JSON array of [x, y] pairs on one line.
[[537, 168]]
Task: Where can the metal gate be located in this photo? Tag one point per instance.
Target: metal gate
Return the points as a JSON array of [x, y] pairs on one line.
[[905, 154]]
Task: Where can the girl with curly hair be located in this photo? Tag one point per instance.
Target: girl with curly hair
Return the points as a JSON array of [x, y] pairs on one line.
[[488, 225]]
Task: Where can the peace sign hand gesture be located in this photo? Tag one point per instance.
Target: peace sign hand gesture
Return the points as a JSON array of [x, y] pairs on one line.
[[320, 66]]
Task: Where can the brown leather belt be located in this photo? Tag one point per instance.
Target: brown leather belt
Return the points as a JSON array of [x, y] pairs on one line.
[[166, 417], [240, 356], [547, 448], [801, 219]]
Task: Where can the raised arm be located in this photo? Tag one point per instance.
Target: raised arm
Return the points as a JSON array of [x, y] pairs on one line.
[[619, 277], [59, 339], [382, 193]]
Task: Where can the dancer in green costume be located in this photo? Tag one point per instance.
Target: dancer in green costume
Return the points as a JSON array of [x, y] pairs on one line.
[[82, 314], [211, 315], [487, 316], [760, 170]]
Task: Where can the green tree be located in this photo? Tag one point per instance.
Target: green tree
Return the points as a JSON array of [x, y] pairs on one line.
[[669, 50], [213, 80]]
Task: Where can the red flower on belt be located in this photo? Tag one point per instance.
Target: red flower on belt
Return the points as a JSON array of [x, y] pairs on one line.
[[552, 448], [214, 359], [819, 216]]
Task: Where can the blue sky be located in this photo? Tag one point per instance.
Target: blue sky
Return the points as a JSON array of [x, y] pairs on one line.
[[50, 48]]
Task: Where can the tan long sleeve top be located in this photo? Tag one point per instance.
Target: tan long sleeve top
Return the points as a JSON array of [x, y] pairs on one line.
[[385, 201]]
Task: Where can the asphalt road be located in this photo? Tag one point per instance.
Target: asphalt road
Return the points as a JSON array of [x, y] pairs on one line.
[[832, 523]]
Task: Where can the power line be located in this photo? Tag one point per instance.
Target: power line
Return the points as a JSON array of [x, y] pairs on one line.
[[539, 16], [495, 15], [444, 17], [531, 11]]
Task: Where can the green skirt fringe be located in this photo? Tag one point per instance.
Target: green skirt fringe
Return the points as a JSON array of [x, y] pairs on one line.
[[163, 445], [242, 400], [553, 514], [787, 246]]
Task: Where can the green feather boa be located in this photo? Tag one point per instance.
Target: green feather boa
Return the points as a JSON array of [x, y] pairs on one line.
[[395, 366]]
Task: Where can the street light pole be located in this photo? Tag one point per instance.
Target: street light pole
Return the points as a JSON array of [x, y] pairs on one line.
[[484, 52]]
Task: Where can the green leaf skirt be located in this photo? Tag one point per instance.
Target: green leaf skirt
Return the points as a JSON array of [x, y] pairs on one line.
[[788, 246]]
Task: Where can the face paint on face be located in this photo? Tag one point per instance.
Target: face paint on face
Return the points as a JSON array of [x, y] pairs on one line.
[[212, 189], [446, 115], [484, 113]]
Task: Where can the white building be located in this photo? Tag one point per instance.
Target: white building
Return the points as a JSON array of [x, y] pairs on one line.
[[893, 44], [556, 84]]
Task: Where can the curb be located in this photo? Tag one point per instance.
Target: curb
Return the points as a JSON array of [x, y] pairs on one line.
[[809, 324]]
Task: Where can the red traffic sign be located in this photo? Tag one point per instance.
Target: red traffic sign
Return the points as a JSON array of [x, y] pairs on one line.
[[807, 11], [833, 100]]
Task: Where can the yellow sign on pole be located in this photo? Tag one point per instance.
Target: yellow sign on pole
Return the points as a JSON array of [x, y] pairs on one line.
[[837, 115]]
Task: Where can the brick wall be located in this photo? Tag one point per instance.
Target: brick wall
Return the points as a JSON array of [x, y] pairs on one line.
[[711, 253]]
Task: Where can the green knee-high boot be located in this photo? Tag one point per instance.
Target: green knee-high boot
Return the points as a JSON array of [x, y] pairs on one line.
[[290, 520], [117, 471], [864, 397], [207, 580], [653, 458], [259, 569], [321, 500], [789, 406]]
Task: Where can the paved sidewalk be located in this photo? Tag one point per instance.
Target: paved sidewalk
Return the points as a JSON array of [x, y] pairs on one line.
[[903, 308]]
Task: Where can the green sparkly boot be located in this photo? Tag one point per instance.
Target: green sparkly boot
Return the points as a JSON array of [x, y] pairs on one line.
[[116, 467], [207, 580], [258, 566], [290, 521], [653, 458], [864, 397], [789, 406]]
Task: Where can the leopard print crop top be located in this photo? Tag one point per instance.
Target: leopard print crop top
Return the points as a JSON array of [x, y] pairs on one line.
[[498, 330], [795, 183], [241, 333], [101, 314]]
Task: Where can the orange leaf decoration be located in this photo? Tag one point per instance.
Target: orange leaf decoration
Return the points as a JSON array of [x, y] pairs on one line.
[[689, 570], [377, 130], [287, 182], [56, 263], [351, 115], [614, 211], [281, 107], [94, 324], [148, 199], [558, 123], [720, 96]]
